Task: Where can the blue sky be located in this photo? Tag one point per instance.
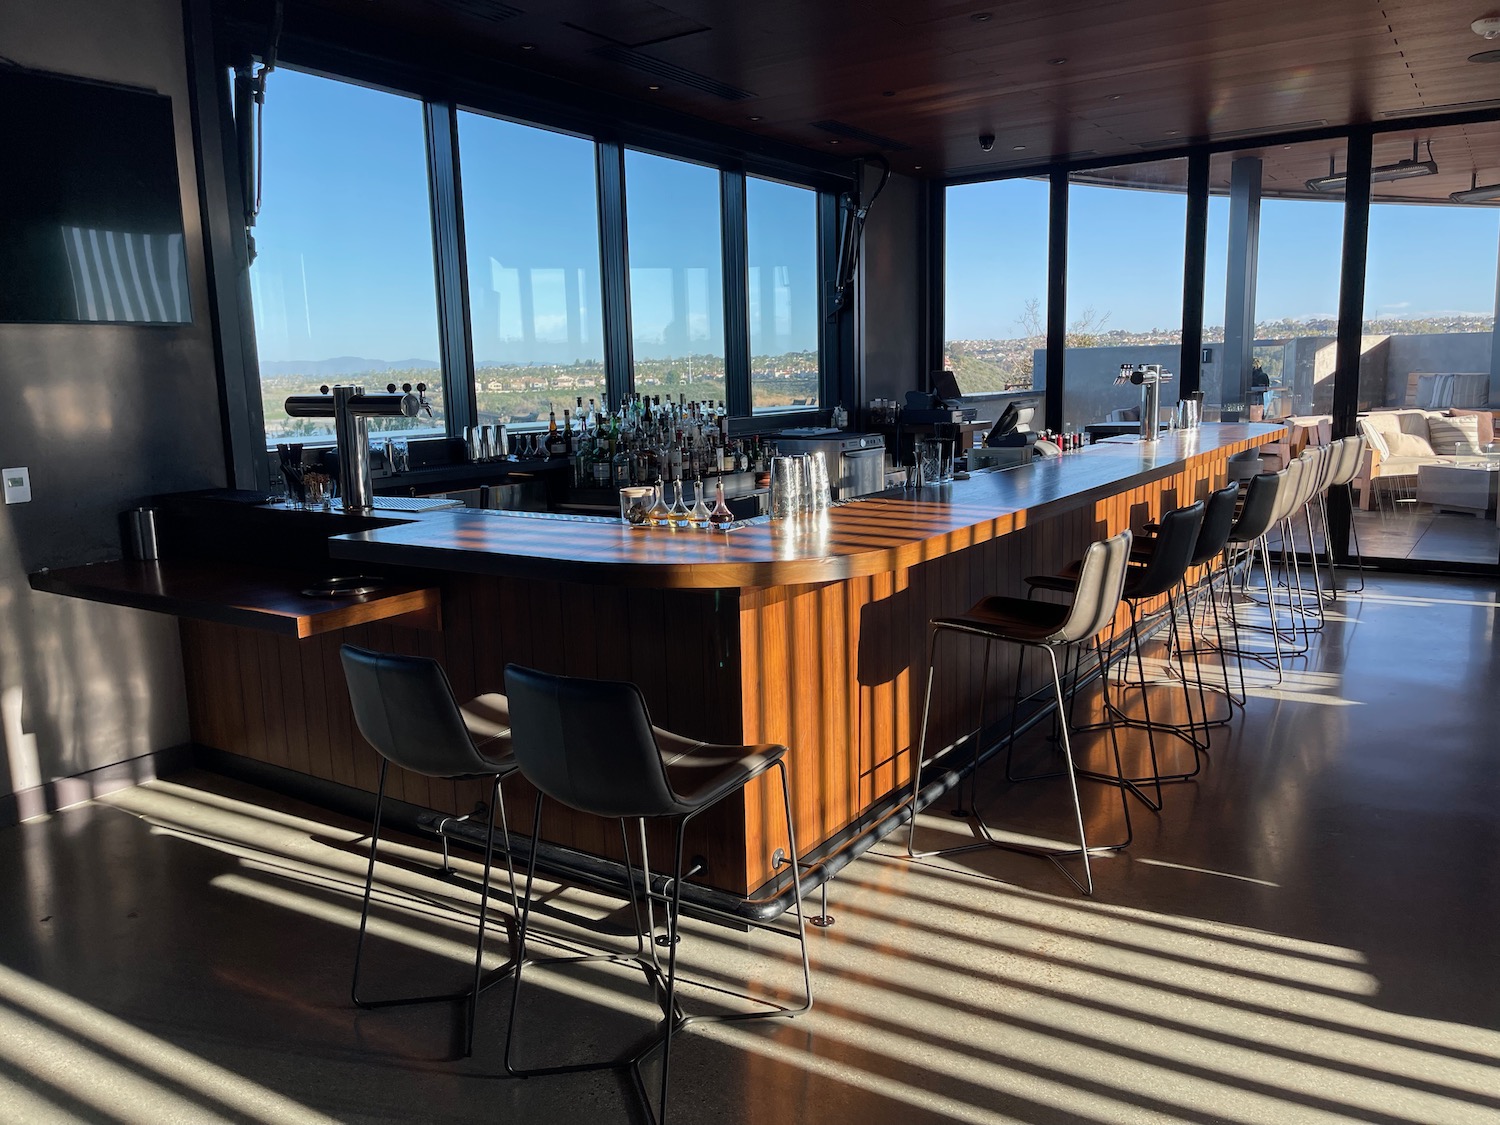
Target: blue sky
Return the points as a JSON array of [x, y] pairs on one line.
[[1125, 258], [345, 262]]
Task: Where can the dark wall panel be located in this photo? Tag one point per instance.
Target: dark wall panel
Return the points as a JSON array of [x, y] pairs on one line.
[[102, 415]]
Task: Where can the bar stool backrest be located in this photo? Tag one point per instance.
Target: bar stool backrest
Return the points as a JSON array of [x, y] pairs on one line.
[[1289, 492], [1218, 519], [1176, 536], [588, 744], [1262, 502], [1351, 452], [1101, 581], [404, 706]]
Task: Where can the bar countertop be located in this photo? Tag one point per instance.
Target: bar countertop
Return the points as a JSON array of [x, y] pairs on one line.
[[870, 536]]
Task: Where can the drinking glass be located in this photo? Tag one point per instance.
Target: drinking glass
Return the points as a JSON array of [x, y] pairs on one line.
[[635, 504], [820, 494], [788, 487], [930, 460]]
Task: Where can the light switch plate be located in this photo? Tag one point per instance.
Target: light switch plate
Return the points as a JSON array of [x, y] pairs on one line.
[[17, 485]]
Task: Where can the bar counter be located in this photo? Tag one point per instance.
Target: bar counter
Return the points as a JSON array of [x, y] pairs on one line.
[[807, 633], [871, 536]]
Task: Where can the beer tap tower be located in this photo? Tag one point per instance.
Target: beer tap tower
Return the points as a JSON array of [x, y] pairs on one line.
[[349, 407], [1149, 377]]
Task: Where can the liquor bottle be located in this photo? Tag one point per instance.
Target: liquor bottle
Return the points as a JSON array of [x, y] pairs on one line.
[[721, 517], [567, 433], [677, 515], [660, 513], [620, 469], [553, 442], [698, 513], [675, 456]]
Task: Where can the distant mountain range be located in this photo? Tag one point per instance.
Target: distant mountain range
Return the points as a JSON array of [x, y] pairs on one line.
[[341, 365]]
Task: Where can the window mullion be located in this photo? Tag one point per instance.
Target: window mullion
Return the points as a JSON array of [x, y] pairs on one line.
[[448, 258], [735, 239], [614, 273]]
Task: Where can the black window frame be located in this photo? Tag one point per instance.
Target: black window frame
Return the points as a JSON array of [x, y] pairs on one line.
[[446, 90]]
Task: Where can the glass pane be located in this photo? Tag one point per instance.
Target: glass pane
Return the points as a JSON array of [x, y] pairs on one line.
[[1429, 319], [782, 226], [995, 285], [1126, 236], [1297, 258], [676, 277], [343, 283], [531, 221]]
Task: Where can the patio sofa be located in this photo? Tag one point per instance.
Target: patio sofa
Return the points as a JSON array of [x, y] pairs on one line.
[[1398, 442]]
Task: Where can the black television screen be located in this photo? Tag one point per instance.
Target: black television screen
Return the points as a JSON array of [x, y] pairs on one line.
[[90, 208]]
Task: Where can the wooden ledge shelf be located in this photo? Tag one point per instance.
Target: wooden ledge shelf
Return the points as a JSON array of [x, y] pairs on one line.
[[269, 600]]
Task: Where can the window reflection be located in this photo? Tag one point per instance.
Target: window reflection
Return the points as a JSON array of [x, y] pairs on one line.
[[783, 306], [532, 231], [676, 277], [343, 282]]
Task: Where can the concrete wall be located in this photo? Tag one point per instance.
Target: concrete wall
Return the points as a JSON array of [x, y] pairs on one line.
[[102, 415], [1452, 351]]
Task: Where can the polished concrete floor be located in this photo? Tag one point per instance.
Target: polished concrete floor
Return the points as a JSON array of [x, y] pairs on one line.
[[1405, 529], [1306, 933]]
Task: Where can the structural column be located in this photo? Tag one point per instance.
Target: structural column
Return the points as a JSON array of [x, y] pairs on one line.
[[1239, 287]]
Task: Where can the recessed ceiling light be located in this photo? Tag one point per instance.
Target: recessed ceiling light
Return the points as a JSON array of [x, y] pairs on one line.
[[916, 167], [1017, 148], [1171, 132], [528, 46], [1056, 62], [653, 87], [1115, 97], [982, 17], [833, 141]]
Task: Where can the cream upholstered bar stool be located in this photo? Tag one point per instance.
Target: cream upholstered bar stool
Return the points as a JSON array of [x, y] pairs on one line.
[[589, 745], [405, 708], [1053, 628]]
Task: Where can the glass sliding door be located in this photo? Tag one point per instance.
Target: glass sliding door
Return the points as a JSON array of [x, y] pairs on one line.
[[1426, 376]]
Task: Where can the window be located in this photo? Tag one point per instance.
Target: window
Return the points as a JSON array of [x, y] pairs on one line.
[[1126, 238], [784, 310], [531, 222], [995, 289], [674, 237], [343, 282]]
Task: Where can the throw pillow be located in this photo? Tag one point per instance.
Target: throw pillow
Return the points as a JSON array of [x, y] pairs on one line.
[[1451, 436], [1409, 445], [1486, 422]]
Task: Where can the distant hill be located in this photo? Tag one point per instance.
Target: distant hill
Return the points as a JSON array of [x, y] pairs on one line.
[[339, 366]]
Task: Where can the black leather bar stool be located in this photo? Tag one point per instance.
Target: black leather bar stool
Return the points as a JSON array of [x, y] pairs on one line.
[[405, 708], [1159, 576], [590, 745], [1051, 627], [1264, 502], [1213, 535]]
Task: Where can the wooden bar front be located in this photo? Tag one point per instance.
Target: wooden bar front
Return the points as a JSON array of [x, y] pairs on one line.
[[813, 636]]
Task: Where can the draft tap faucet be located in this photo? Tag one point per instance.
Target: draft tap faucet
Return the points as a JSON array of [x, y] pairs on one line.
[[349, 407]]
